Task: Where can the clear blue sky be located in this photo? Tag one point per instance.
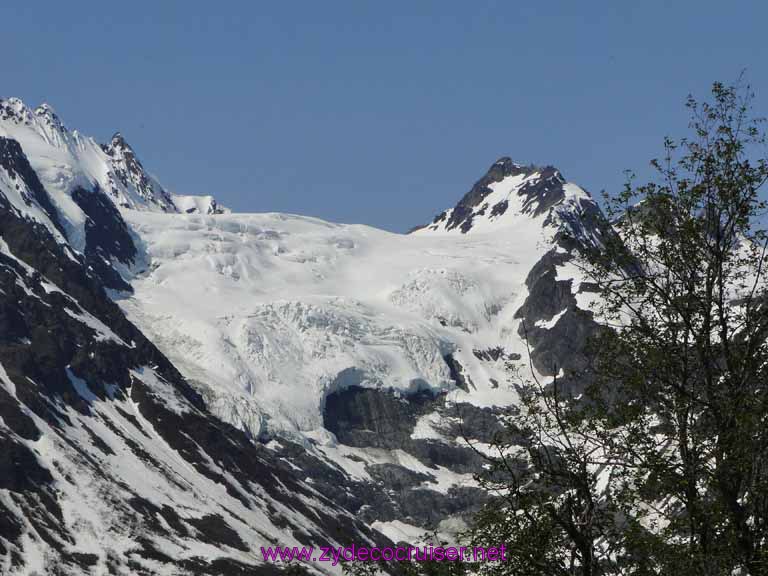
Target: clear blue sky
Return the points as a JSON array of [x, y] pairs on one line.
[[377, 112]]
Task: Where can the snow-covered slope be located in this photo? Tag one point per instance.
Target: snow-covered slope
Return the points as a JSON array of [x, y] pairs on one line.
[[65, 160], [356, 361], [297, 328], [110, 463], [274, 312], [86, 184]]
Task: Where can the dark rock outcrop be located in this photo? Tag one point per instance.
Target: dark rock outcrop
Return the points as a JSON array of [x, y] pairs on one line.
[[379, 418], [129, 172], [106, 237], [15, 162]]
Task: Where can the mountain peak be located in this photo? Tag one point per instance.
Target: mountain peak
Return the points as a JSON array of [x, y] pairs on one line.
[[46, 110], [118, 146], [15, 110], [118, 141], [19, 120], [131, 179], [508, 188], [112, 167], [505, 166], [49, 116]]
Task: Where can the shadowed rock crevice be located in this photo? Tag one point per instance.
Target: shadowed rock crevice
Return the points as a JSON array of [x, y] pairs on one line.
[[106, 237]]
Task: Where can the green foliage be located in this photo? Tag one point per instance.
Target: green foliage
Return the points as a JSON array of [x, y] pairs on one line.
[[661, 466], [685, 280]]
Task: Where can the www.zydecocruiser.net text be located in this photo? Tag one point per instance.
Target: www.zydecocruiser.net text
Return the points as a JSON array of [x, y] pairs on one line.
[[391, 553]]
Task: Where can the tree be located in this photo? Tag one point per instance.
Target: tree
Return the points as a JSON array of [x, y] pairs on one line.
[[662, 465], [683, 283], [546, 473]]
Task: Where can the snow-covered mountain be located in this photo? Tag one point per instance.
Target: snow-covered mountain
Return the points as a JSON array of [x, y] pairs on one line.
[[256, 378], [271, 313]]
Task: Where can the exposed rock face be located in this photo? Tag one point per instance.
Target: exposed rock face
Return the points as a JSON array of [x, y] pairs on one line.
[[128, 171], [370, 418], [107, 238], [462, 215], [381, 419], [14, 110], [538, 190], [458, 374], [373, 418], [551, 322], [24, 179]]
